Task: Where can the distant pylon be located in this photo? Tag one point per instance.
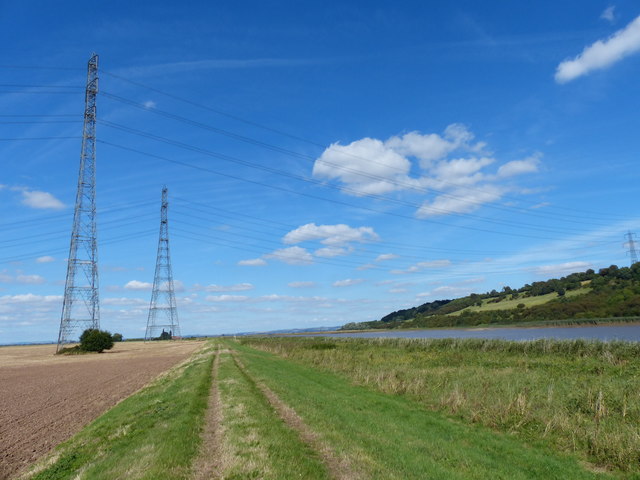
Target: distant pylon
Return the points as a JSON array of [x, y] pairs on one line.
[[163, 313], [632, 247], [81, 305]]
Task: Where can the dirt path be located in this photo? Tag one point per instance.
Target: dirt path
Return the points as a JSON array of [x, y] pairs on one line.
[[209, 463], [45, 399], [339, 468]]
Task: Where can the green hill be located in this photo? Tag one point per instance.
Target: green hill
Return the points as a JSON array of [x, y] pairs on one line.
[[610, 293]]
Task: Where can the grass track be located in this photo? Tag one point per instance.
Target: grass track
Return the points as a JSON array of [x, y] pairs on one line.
[[258, 444], [156, 434], [391, 437]]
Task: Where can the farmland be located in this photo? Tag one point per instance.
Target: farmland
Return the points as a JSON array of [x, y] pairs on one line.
[[45, 399], [281, 409]]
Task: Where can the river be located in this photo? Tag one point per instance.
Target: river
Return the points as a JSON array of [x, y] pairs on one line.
[[629, 333]]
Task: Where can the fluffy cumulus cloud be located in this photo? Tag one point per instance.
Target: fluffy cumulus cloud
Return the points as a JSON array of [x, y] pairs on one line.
[[332, 235], [332, 240], [602, 54], [455, 173], [292, 256], [252, 262], [460, 201], [138, 285], [37, 199], [519, 167]]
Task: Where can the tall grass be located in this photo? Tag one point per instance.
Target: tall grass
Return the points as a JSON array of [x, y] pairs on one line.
[[577, 396]]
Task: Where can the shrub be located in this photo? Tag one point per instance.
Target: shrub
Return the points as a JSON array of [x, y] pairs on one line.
[[94, 340], [117, 337]]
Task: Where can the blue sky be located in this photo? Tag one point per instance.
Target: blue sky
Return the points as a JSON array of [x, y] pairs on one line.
[[326, 162]]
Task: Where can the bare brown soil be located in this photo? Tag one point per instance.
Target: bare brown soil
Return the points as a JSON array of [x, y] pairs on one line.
[[45, 399]]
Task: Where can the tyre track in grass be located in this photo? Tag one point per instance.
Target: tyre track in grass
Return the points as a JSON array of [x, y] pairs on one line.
[[210, 461], [339, 467]]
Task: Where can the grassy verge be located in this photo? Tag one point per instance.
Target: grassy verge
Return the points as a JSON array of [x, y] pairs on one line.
[[575, 396], [257, 443], [153, 434], [389, 436]]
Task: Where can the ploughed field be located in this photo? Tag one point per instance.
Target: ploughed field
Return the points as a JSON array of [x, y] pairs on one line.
[[344, 409], [45, 399]]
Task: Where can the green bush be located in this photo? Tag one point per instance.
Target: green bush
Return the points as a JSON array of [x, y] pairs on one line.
[[117, 337], [94, 340]]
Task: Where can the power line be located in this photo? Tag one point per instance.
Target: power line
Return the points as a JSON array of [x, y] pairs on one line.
[[320, 183], [308, 195], [605, 216], [396, 182]]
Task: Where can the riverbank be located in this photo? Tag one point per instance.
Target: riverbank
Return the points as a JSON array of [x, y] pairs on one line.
[[577, 397]]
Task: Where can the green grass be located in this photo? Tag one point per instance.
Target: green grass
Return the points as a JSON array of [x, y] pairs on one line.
[[510, 303], [257, 443], [153, 434], [576, 397], [387, 436]]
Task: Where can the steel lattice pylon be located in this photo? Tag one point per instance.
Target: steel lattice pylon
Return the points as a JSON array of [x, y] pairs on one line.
[[633, 254], [163, 313], [81, 305]]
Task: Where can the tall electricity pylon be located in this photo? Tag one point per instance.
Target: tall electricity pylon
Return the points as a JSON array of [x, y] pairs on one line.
[[632, 247], [81, 305], [163, 313]]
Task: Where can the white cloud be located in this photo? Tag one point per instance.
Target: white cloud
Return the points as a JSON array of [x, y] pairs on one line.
[[45, 259], [446, 291], [386, 256], [609, 14], [124, 301], [138, 285], [29, 298], [37, 199], [562, 268], [30, 279], [226, 298], [348, 282], [602, 53], [253, 262], [238, 287], [149, 104], [331, 235], [518, 167], [302, 284], [329, 252], [418, 267], [367, 166], [461, 170], [292, 256], [455, 173], [460, 201]]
